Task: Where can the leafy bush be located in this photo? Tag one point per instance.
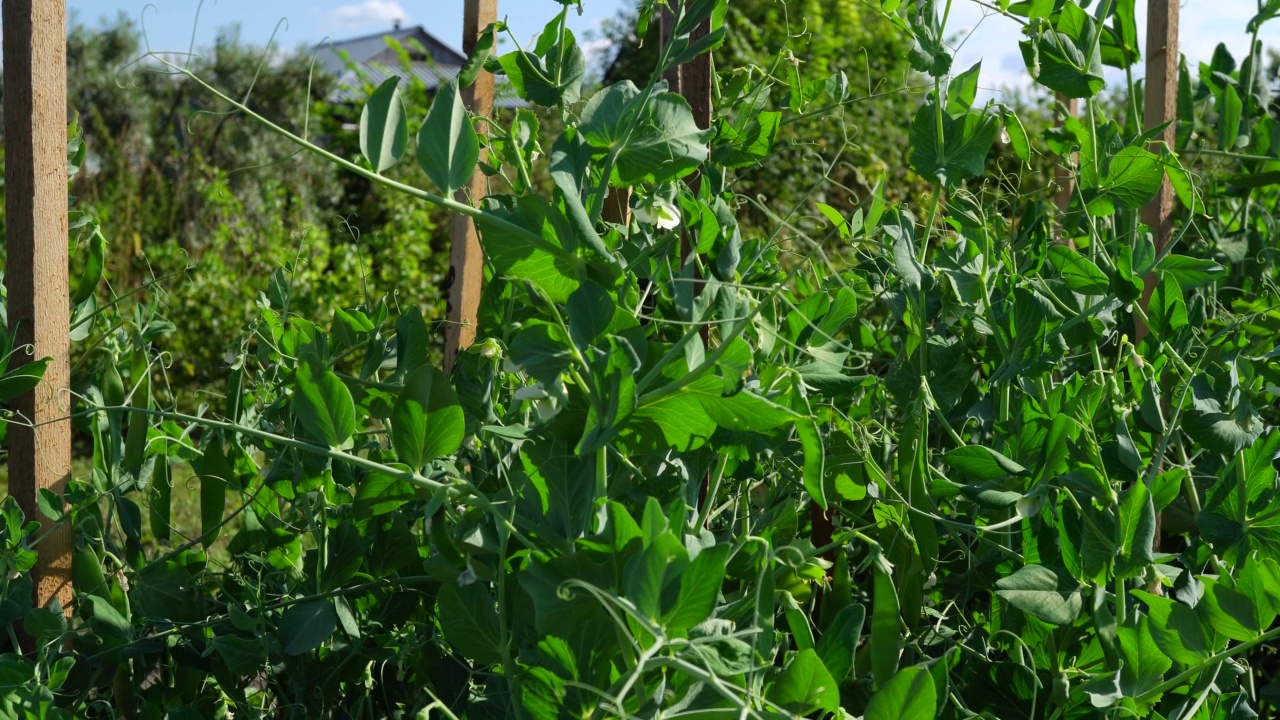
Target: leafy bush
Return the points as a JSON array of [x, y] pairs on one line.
[[968, 471]]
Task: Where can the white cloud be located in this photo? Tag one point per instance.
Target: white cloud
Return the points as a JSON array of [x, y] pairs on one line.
[[367, 12]]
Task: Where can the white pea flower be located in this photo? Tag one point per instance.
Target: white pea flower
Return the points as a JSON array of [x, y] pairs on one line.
[[658, 212]]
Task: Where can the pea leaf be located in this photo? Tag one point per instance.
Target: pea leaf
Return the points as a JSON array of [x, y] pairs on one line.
[[966, 140], [427, 420], [303, 627], [1191, 272], [1078, 271], [1067, 59], [470, 621], [384, 126], [322, 403], [982, 463], [664, 143], [448, 147], [699, 589], [909, 695], [1175, 628], [1132, 180], [1229, 612], [1041, 593], [805, 686], [22, 380]]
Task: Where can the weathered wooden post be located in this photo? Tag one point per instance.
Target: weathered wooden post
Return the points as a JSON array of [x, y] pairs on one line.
[[35, 198], [1160, 106], [466, 259]]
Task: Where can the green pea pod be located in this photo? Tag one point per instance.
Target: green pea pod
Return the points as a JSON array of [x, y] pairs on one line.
[[135, 444], [112, 386], [801, 633], [161, 496], [86, 573], [886, 640], [92, 269]]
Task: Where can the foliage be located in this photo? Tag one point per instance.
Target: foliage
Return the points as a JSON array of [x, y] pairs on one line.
[[971, 471], [839, 68], [200, 207]]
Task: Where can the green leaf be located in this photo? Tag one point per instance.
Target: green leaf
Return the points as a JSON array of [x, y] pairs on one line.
[[966, 140], [591, 311], [664, 143], [384, 126], [1207, 423], [304, 626], [1175, 628], [1191, 272], [1144, 664], [1133, 179], [1229, 612], [448, 147], [699, 589], [1078, 271], [839, 640], [379, 493], [323, 403], [836, 219], [345, 554], [1041, 593], [1137, 530], [470, 622], [805, 686], [22, 380], [427, 420], [243, 656], [982, 463], [909, 695], [962, 90], [1068, 58]]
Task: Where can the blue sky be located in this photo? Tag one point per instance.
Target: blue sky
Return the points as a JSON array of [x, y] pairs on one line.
[[169, 23], [1205, 23]]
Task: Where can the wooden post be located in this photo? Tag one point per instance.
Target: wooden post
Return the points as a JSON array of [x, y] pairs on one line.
[[1160, 105], [466, 259], [35, 198]]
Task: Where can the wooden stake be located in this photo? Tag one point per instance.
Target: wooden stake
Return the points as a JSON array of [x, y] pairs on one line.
[[35, 198], [466, 259], [1160, 105]]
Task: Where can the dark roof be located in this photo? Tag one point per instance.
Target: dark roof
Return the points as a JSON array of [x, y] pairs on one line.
[[369, 47], [377, 63], [350, 86]]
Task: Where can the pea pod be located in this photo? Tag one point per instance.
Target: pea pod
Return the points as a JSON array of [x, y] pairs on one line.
[[135, 444], [86, 573], [886, 640]]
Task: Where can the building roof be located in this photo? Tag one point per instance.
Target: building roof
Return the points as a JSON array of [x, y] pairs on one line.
[[377, 62], [368, 48]]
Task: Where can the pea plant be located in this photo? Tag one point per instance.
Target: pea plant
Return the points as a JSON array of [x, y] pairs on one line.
[[966, 459]]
